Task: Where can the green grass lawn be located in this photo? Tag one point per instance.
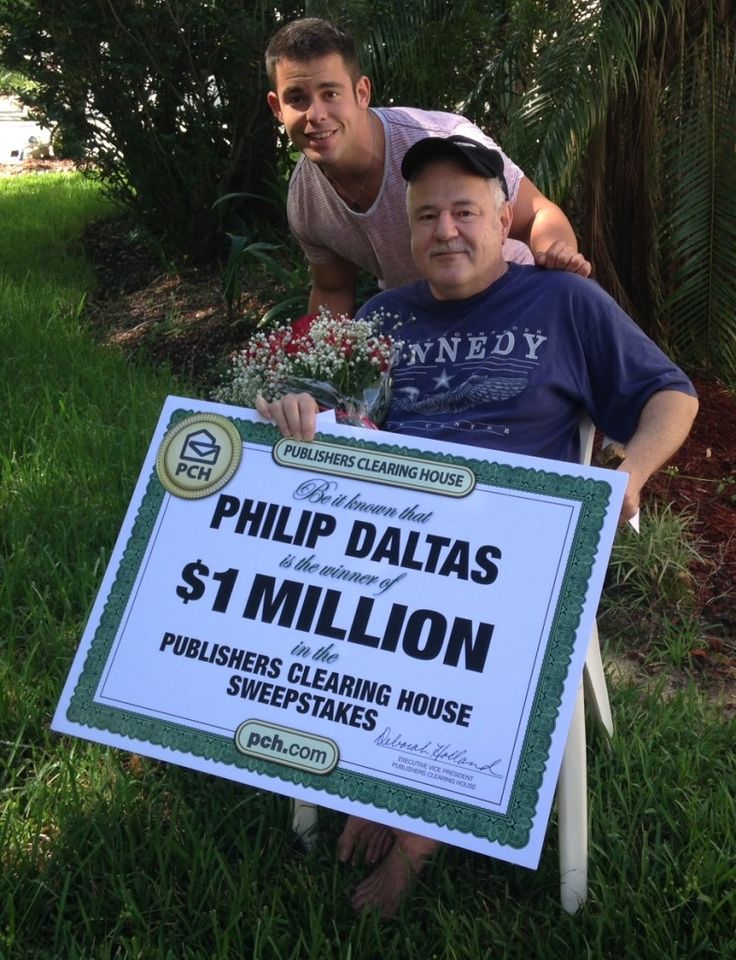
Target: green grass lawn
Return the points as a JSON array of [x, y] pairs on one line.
[[106, 855]]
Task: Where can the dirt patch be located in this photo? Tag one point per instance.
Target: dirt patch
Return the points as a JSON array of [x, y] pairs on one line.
[[701, 480], [178, 319], [43, 165], [182, 320]]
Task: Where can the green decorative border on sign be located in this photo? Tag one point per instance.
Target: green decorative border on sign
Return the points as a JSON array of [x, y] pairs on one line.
[[510, 829]]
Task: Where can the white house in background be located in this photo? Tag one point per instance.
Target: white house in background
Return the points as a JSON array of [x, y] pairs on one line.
[[19, 136]]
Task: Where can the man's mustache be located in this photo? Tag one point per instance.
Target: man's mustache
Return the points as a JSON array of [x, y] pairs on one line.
[[449, 248]]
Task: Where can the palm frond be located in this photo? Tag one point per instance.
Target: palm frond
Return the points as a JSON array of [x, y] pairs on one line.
[[427, 53], [698, 229], [588, 57]]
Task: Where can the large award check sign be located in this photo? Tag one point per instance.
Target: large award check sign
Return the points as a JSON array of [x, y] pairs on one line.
[[383, 625]]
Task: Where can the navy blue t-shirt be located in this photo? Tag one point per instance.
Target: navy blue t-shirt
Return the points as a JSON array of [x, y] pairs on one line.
[[514, 367]]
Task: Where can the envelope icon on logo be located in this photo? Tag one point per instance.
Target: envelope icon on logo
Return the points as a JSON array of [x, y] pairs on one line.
[[201, 447]]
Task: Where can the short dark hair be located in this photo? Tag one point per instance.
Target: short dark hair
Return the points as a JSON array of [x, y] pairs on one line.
[[309, 38]]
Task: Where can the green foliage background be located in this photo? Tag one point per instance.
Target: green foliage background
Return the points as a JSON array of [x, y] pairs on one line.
[[621, 110], [165, 100]]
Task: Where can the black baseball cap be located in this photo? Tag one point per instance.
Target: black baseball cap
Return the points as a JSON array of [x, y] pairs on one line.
[[473, 155]]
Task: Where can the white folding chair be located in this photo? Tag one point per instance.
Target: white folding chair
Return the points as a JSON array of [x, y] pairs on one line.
[[304, 822], [572, 785]]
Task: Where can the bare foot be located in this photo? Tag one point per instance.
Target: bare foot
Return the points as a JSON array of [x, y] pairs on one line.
[[386, 887], [364, 839]]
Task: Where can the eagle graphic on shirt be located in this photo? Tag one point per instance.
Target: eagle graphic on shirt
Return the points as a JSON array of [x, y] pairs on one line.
[[476, 390]]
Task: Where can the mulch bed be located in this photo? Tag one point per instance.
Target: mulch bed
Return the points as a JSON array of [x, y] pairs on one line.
[[177, 319], [47, 165], [701, 480]]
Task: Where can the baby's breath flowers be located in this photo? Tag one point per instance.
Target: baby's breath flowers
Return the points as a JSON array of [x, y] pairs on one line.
[[342, 362]]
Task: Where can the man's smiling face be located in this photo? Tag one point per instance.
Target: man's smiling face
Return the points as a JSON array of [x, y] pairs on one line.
[[458, 222], [321, 106]]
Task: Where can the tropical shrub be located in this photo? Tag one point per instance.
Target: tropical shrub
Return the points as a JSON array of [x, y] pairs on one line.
[[165, 100]]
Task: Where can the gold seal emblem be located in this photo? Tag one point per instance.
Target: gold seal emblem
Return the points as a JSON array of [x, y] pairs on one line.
[[199, 455]]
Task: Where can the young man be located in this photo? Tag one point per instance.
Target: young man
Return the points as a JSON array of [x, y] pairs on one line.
[[505, 357], [346, 196]]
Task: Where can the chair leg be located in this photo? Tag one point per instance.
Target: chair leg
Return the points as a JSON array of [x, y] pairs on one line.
[[304, 822], [572, 813], [596, 690]]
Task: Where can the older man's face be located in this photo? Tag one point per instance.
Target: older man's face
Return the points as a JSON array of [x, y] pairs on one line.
[[456, 230]]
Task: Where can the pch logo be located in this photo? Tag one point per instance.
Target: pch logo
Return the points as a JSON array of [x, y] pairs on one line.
[[200, 451], [199, 455]]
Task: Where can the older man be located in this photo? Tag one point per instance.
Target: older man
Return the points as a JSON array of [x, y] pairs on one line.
[[346, 195], [504, 357]]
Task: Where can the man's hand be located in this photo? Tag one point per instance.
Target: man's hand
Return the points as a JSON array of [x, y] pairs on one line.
[[664, 424], [295, 414], [632, 496], [543, 226], [560, 256]]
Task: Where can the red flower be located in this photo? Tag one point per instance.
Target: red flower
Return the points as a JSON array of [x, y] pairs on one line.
[[290, 346], [292, 340], [301, 326], [379, 360]]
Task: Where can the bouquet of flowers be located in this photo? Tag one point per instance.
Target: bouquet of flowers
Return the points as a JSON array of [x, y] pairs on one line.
[[343, 363]]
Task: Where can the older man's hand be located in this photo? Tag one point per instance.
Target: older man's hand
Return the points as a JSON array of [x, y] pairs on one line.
[[294, 414]]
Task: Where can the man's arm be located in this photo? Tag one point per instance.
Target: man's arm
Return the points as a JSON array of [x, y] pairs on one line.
[[543, 226], [663, 427], [333, 286]]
